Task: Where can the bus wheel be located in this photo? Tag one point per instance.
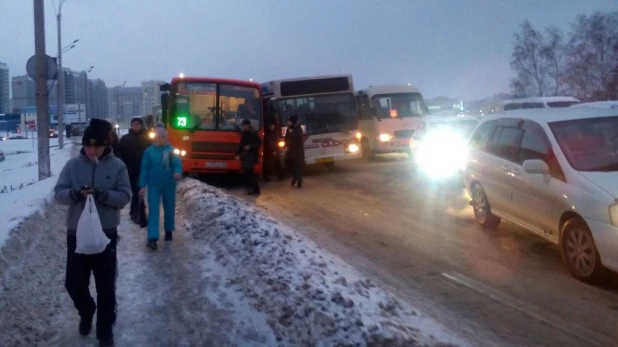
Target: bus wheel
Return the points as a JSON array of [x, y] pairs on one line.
[[368, 154]]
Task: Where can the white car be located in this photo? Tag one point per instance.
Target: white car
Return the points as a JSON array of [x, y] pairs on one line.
[[555, 173]]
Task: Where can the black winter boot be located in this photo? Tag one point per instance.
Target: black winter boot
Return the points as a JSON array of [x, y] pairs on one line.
[[168, 236], [85, 324], [152, 244], [106, 342]]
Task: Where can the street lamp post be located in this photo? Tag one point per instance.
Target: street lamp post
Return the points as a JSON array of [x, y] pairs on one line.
[[60, 96]]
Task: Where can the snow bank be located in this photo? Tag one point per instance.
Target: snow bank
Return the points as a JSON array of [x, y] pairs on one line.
[[311, 297], [21, 193]]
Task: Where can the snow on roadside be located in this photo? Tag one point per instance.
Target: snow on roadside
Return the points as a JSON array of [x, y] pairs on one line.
[[21, 193], [310, 296]]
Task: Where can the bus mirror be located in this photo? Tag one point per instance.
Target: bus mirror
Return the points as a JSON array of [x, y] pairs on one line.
[[165, 87], [164, 99]]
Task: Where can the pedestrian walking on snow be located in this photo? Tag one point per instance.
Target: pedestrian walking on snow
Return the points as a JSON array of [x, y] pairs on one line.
[[131, 148], [271, 163], [160, 170], [248, 152], [295, 154], [97, 172]]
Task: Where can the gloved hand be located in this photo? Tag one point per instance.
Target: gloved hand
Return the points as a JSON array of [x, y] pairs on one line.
[[100, 195], [77, 195]]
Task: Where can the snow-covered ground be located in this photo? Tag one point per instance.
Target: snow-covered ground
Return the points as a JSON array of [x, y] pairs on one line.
[[231, 277], [21, 192], [311, 298]]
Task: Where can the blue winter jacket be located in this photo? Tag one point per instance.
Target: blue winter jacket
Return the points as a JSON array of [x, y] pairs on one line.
[[158, 167]]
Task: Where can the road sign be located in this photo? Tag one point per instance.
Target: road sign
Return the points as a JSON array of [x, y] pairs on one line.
[[32, 124], [51, 67]]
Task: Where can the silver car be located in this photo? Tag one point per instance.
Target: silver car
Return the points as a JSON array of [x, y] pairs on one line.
[[555, 173]]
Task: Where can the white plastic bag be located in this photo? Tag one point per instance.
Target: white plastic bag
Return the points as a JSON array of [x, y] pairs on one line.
[[90, 236]]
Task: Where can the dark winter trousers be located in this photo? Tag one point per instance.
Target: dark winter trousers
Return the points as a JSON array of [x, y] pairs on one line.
[[272, 164], [135, 207], [251, 180], [296, 170], [104, 266]]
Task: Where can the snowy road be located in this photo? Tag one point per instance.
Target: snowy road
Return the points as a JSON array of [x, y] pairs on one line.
[[494, 288], [231, 277]]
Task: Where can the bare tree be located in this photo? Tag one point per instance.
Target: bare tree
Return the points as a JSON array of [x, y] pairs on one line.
[[593, 55], [553, 56], [529, 63]]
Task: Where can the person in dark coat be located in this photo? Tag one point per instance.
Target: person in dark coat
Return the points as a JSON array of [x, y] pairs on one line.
[[295, 154], [248, 153], [271, 153], [97, 172], [112, 137], [130, 150]]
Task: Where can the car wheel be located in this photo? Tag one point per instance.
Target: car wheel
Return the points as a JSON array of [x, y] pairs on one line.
[[368, 154], [482, 209], [579, 252]]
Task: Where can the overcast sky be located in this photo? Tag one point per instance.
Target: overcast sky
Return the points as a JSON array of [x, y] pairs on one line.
[[458, 48]]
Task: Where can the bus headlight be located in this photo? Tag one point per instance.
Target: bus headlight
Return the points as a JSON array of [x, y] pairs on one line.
[[180, 152], [358, 135], [353, 148], [385, 137], [281, 144]]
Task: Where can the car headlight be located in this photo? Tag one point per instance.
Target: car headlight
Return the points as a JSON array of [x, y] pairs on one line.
[[442, 154], [358, 135], [385, 137], [353, 148], [613, 214]]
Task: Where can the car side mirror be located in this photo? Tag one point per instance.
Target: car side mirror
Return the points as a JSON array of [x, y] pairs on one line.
[[536, 166]]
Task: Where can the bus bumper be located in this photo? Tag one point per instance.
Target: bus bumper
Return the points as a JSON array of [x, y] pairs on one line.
[[394, 146], [327, 159], [204, 166]]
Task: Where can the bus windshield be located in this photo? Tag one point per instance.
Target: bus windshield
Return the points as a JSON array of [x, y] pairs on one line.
[[322, 114], [398, 105], [210, 106]]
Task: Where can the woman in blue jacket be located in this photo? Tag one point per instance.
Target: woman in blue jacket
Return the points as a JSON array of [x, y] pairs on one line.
[[160, 170]]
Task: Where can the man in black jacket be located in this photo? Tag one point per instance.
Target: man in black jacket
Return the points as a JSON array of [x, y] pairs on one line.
[[295, 155], [248, 153], [271, 152], [130, 150]]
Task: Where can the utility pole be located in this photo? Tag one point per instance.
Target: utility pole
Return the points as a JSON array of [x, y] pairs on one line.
[[42, 102], [60, 93]]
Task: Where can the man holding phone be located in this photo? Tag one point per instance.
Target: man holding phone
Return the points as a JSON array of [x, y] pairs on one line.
[[98, 172]]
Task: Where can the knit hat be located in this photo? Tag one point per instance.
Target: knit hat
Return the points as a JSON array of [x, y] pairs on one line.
[[160, 132], [137, 119], [293, 118], [97, 133]]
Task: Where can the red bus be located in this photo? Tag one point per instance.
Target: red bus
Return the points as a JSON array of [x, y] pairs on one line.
[[203, 117]]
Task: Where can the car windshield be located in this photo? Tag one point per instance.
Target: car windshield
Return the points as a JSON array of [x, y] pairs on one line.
[[322, 114], [210, 106], [589, 144], [463, 127], [398, 105], [562, 103]]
